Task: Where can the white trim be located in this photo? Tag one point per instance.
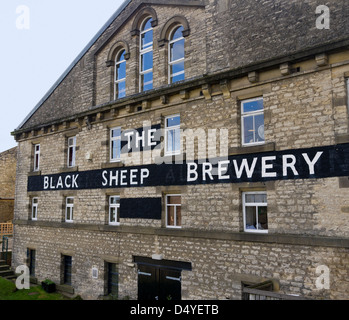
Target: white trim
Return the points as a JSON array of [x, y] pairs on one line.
[[71, 209], [171, 63], [249, 114], [36, 152], [175, 211], [254, 204], [111, 159], [71, 148], [117, 210], [35, 208], [143, 52], [117, 81], [175, 152]]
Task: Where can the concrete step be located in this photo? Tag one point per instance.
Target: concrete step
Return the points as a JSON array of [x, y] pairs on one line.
[[5, 273], [4, 267], [2, 262]]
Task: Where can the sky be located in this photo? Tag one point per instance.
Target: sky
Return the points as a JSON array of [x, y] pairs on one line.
[[39, 40]]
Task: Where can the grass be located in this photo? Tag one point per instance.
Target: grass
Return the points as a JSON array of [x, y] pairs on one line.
[[8, 291]]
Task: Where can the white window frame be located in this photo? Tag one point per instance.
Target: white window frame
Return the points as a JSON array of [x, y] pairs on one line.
[[347, 87], [71, 148], [112, 139], [117, 81], [175, 211], [35, 203], [70, 207], [143, 52], [117, 210], [170, 63], [253, 204], [249, 114], [36, 157], [167, 129]]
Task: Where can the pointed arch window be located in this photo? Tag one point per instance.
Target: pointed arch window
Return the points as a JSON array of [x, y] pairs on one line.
[[176, 55], [146, 55], [120, 75]]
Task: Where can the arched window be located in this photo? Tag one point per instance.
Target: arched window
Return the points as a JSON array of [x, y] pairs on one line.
[[176, 55], [120, 75], [146, 55]]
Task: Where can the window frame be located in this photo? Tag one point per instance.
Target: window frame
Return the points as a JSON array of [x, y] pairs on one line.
[[249, 114], [175, 226], [114, 139], [117, 207], [71, 148], [171, 63], [142, 52], [36, 164], [69, 206], [254, 204], [116, 80], [34, 208], [173, 152]]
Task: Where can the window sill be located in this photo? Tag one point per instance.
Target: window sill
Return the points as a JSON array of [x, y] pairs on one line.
[[265, 147]]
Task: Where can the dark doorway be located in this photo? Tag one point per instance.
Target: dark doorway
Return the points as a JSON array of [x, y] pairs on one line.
[[31, 261], [160, 280]]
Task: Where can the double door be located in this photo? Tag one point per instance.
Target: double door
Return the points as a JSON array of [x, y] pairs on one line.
[[159, 283]]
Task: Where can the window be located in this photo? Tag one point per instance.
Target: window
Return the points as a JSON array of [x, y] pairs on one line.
[[146, 56], [172, 135], [173, 211], [252, 121], [31, 256], [71, 152], [36, 157], [176, 55], [69, 209], [113, 280], [114, 210], [120, 76], [115, 144], [35, 208], [255, 212], [347, 85], [67, 270]]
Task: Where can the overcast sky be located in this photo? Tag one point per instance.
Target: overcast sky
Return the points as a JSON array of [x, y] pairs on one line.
[[39, 40]]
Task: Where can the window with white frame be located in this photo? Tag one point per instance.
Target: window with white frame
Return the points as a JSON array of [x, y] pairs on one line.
[[173, 211], [347, 85], [146, 55], [71, 152], [114, 210], [120, 75], [176, 55], [36, 157], [69, 209], [115, 144], [255, 211], [35, 202], [172, 135], [252, 121]]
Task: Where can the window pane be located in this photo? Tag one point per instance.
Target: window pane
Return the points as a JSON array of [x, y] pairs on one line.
[[259, 127], [121, 56], [35, 201], [147, 25], [178, 77], [177, 50], [250, 198], [178, 33], [248, 130], [250, 218], [121, 71], [174, 199], [116, 132], [260, 198], [170, 140], [70, 201], [251, 106], [262, 218], [170, 215], [147, 81], [173, 121], [114, 200], [147, 61], [178, 216], [112, 214], [147, 40], [116, 149], [121, 89]]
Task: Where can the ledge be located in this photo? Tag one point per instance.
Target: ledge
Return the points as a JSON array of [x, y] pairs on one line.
[[267, 147], [288, 239]]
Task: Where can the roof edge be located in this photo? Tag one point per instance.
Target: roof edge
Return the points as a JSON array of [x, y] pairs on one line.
[[76, 60]]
